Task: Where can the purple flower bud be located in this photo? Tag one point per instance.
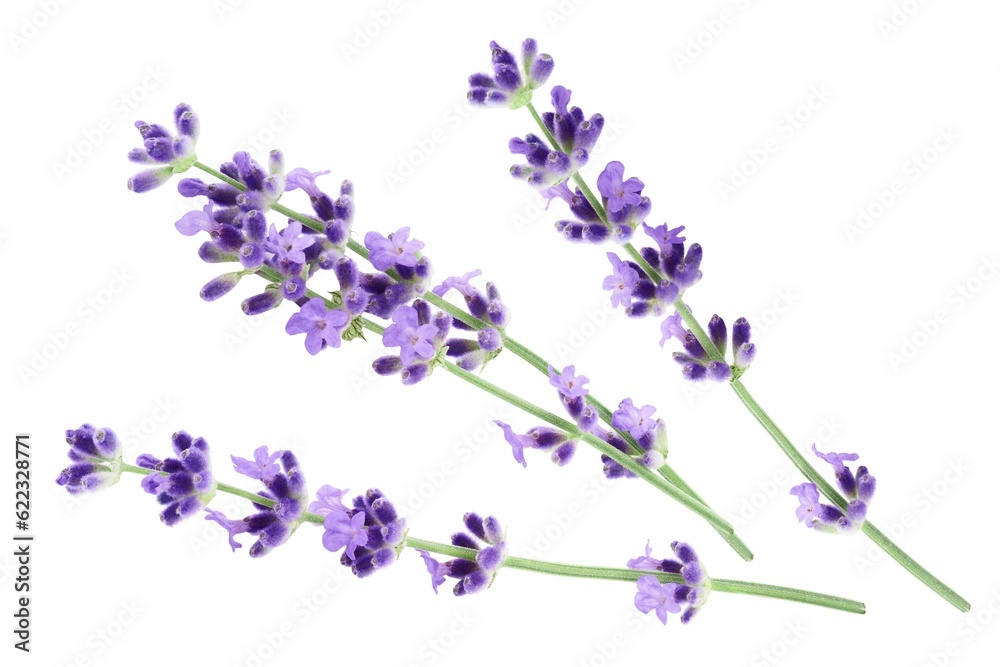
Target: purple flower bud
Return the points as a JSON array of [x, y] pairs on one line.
[[261, 303]]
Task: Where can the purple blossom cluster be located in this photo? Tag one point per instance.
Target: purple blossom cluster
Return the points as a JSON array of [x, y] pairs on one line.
[[486, 538], [696, 363], [96, 456], [648, 433], [547, 167], [858, 486], [174, 154], [672, 598], [284, 485], [235, 220], [370, 533], [511, 83], [182, 485]]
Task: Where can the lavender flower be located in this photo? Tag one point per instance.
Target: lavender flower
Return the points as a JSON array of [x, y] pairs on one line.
[[696, 363], [286, 488], [511, 85], [545, 166], [175, 153], [420, 336], [543, 438], [568, 125], [184, 484], [397, 248], [671, 597], [486, 537], [857, 486], [616, 192], [96, 456], [568, 383], [328, 499], [622, 281], [370, 533], [322, 326]]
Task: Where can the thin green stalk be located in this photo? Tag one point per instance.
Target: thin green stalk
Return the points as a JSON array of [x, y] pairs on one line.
[[626, 461], [625, 574], [784, 443], [666, 471], [582, 571]]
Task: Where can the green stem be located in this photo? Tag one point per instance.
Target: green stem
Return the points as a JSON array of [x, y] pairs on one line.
[[786, 445], [666, 471], [625, 574], [583, 571], [626, 461]]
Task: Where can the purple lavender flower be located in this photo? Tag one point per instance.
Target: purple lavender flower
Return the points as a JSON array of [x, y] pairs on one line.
[[568, 125], [458, 283], [637, 421], [669, 597], [568, 383], [371, 533], [652, 595], [184, 484], [288, 245], [545, 166], [543, 438], [857, 486], [233, 527], [305, 180], [273, 524], [397, 248], [696, 362], [621, 282], [200, 220], [486, 537], [264, 466], [96, 456], [616, 192], [510, 85], [672, 327], [665, 237], [342, 531], [328, 499], [436, 569], [413, 339], [175, 153], [322, 326]]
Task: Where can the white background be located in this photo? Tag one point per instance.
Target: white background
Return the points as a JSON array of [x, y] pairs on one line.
[[831, 309]]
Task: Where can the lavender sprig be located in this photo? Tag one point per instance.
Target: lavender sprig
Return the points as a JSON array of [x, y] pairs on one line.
[[372, 536], [314, 320], [712, 354]]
